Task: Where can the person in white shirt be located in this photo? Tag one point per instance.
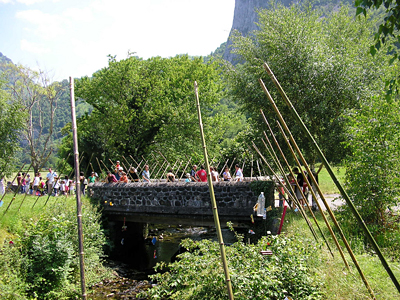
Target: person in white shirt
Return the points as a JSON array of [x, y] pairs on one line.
[[214, 174], [50, 180], [238, 174], [36, 182]]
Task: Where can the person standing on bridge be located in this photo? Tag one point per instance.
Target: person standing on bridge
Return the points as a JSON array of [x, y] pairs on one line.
[[227, 174], [170, 176], [202, 174], [111, 177], [238, 173], [146, 174], [123, 178], [193, 175]]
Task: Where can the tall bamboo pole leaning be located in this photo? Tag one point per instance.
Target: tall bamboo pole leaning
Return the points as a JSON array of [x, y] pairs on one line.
[[78, 190], [319, 190], [291, 173], [287, 190], [213, 201], [13, 198], [187, 164], [335, 180]]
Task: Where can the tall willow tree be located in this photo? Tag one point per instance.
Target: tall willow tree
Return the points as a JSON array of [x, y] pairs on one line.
[[11, 124], [145, 105], [323, 64], [38, 97]]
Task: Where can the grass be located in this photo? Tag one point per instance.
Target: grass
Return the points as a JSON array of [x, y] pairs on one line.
[[325, 181], [339, 283], [21, 208]]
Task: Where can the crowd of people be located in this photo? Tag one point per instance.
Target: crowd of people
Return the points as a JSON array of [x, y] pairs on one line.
[[195, 175], [56, 185], [39, 185]]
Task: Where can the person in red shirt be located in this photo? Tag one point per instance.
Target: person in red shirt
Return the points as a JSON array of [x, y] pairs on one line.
[[111, 177], [123, 178], [202, 174]]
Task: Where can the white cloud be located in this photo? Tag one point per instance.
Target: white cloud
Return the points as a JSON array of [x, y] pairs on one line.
[[76, 36], [47, 26], [33, 47]]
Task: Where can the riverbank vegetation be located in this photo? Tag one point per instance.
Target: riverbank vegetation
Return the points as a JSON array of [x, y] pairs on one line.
[[299, 267], [39, 255], [146, 107]]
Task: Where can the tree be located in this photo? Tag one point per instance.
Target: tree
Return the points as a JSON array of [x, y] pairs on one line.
[[11, 120], [372, 169], [387, 32], [320, 61], [141, 106], [38, 97]]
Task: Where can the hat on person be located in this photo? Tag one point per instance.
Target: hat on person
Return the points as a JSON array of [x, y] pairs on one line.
[[121, 168], [187, 175]]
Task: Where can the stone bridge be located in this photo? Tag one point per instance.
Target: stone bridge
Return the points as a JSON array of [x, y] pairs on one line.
[[183, 203]]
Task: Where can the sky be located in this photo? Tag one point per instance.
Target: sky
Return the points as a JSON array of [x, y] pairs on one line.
[[74, 37]]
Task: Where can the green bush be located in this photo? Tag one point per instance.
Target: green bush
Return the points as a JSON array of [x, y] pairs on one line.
[[199, 275], [43, 263], [372, 170]]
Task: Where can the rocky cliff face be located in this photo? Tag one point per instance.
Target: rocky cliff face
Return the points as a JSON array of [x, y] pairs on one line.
[[244, 19]]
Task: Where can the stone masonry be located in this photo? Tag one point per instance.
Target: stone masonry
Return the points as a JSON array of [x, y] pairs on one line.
[[177, 202]]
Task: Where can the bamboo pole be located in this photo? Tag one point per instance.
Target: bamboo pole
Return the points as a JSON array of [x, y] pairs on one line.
[[13, 198], [187, 164], [258, 167], [213, 201], [165, 161], [78, 190], [300, 189], [230, 167], [223, 168], [294, 198], [23, 199], [335, 180], [287, 180], [319, 190], [134, 160], [105, 166], [87, 167]]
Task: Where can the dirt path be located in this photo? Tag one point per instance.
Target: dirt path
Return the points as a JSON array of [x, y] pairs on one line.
[[330, 198]]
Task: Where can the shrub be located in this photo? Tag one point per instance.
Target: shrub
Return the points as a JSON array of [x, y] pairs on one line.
[[372, 171], [199, 275], [44, 261]]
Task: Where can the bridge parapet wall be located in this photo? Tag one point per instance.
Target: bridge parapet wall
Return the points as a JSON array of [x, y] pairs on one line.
[[180, 201]]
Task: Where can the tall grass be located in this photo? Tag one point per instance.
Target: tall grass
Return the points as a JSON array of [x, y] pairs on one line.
[[338, 282], [39, 247], [325, 181]]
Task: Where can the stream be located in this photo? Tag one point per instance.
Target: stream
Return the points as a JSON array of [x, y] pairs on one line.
[[129, 282]]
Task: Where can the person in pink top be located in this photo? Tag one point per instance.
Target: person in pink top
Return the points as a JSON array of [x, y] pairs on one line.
[[202, 174]]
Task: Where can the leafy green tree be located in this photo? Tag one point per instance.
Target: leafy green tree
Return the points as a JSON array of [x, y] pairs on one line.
[[322, 63], [38, 97], [372, 169], [141, 106], [388, 31], [12, 122]]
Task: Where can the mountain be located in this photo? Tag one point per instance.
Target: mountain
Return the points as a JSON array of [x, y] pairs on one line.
[[244, 20], [4, 59]]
